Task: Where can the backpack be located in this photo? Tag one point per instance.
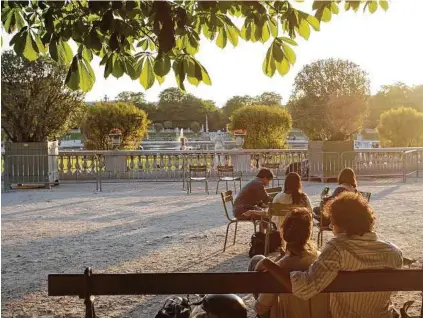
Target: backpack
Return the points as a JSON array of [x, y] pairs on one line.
[[258, 240]]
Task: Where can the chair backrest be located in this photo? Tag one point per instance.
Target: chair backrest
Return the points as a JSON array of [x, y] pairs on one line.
[[282, 209], [366, 195], [272, 192], [198, 170], [227, 197], [225, 171]]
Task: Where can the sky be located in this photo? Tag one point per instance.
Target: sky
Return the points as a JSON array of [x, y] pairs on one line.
[[387, 45]]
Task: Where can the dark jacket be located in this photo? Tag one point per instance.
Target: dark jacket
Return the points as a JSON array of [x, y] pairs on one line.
[[251, 195]]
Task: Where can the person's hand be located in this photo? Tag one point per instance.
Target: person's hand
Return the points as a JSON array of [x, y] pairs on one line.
[[261, 266]]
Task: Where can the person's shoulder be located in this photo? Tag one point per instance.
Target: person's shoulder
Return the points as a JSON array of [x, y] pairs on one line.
[[282, 197]]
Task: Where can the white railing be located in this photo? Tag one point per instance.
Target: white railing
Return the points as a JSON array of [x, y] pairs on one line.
[[152, 165]]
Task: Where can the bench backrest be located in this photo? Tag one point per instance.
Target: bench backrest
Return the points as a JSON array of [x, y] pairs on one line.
[[87, 285]]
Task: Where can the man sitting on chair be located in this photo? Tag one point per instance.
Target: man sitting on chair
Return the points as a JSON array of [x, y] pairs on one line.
[[251, 200]]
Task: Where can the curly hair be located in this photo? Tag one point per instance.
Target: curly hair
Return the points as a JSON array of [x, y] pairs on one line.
[[351, 212], [296, 229]]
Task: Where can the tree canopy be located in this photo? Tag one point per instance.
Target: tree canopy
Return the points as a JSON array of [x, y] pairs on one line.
[[328, 100], [393, 96], [401, 127], [266, 126], [103, 117], [146, 39], [35, 105]]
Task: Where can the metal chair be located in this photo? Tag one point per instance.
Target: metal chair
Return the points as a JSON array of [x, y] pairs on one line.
[[274, 167], [226, 174], [198, 174], [272, 192], [366, 195], [228, 197], [278, 209]]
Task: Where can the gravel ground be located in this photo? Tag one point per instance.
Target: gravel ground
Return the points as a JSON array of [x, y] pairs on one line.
[[150, 227]]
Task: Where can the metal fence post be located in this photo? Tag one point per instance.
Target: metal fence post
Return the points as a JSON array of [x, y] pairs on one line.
[[5, 174]]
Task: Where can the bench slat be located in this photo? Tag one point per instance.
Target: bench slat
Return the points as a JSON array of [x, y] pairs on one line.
[[221, 283]]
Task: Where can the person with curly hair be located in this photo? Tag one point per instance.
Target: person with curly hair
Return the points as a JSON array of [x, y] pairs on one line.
[[354, 247], [300, 254]]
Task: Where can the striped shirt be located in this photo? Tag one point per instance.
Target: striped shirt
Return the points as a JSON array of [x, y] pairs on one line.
[[343, 253]]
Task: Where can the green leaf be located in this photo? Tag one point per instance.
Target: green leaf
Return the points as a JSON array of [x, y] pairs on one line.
[[273, 23], [178, 69], [160, 79], [287, 40], [265, 32], [130, 69], [147, 74], [72, 77], [204, 74], [190, 69], [86, 75], [334, 8], [9, 20], [93, 40], [289, 53], [162, 65], [20, 22], [232, 34], [372, 6], [221, 38], [60, 51], [87, 54], [384, 4], [30, 51], [108, 69], [269, 66], [304, 29], [283, 67], [315, 24], [118, 67], [277, 52]]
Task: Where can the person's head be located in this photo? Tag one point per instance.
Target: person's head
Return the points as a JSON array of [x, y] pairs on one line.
[[266, 175], [347, 176], [350, 213], [296, 229], [293, 186]]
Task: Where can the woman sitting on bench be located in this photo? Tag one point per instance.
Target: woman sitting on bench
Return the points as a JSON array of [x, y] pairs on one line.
[[301, 253]]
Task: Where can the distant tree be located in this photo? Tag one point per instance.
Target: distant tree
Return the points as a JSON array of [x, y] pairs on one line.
[[158, 127], [138, 99], [195, 127], [319, 91], [401, 127], [35, 105], [167, 124], [266, 126], [269, 99], [236, 102], [103, 117], [392, 96]]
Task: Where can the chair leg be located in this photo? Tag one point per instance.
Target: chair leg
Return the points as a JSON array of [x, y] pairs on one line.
[[227, 186], [236, 227], [188, 186], [266, 244], [240, 184], [207, 187], [234, 186], [217, 186], [226, 236]]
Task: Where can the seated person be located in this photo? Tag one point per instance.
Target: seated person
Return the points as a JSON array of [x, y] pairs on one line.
[[301, 253], [347, 181], [249, 204], [354, 247]]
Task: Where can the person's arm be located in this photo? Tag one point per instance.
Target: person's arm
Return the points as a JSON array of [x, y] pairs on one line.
[[262, 194], [281, 274], [320, 274]]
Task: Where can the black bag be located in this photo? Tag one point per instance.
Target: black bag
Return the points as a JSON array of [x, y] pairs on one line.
[[258, 240], [175, 307]]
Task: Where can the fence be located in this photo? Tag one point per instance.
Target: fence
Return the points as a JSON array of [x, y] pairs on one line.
[[128, 166]]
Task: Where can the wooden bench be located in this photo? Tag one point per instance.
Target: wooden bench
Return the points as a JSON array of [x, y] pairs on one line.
[[88, 284]]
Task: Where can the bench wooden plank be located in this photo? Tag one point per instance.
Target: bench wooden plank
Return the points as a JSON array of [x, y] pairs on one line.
[[220, 283]]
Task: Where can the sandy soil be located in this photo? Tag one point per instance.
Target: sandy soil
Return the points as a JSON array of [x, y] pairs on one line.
[[150, 227]]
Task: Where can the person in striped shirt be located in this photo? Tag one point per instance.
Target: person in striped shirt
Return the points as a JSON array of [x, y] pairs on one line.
[[354, 247]]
